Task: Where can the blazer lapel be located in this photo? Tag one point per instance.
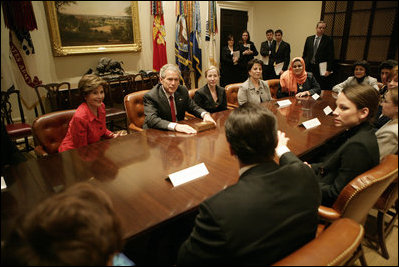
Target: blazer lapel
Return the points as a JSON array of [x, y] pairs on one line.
[[164, 102]]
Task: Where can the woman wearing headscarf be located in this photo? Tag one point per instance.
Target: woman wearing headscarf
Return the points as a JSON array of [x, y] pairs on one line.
[[296, 81]]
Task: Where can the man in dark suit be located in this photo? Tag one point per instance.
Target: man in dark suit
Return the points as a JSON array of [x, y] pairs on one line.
[[167, 103], [270, 212], [280, 53], [266, 50], [319, 48]]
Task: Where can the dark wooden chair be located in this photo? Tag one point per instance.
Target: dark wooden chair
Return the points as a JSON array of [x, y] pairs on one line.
[[15, 130], [58, 96], [387, 207], [114, 109]]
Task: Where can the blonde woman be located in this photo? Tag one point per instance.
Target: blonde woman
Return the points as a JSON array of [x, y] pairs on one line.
[[211, 97]]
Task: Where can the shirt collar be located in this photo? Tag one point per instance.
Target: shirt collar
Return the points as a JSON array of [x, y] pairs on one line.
[[166, 93], [92, 117], [245, 168]]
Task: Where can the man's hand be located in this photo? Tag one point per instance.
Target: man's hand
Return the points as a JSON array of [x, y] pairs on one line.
[[208, 117], [282, 139], [327, 73], [184, 128]]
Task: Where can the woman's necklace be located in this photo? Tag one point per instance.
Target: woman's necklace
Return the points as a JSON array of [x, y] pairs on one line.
[[300, 86]]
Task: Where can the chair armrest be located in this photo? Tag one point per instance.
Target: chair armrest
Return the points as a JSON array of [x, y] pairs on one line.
[[40, 152], [134, 128], [333, 247], [328, 214]]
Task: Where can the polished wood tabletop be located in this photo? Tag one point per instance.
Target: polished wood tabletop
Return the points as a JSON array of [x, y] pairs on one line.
[[133, 169]]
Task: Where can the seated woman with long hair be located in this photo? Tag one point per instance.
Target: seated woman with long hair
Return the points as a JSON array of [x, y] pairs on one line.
[[296, 81], [88, 125], [357, 150]]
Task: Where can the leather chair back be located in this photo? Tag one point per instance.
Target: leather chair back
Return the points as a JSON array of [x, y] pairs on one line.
[[191, 92], [273, 85], [135, 110], [231, 94], [49, 130], [335, 246], [359, 196]]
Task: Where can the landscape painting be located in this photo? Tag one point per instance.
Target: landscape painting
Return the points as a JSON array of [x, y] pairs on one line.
[[79, 27]]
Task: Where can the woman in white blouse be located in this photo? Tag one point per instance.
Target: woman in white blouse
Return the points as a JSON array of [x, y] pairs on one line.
[[361, 76], [387, 135]]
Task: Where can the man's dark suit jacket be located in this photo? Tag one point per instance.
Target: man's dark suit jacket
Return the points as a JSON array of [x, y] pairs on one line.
[[282, 55], [157, 108], [270, 212], [204, 99], [324, 53], [265, 49], [356, 155]]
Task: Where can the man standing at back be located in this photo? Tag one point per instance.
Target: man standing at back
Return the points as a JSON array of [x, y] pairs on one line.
[[270, 212], [266, 50], [318, 49], [281, 53], [167, 103]]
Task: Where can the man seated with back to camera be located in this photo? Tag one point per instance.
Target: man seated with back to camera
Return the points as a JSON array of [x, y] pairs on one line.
[[270, 212], [167, 102]]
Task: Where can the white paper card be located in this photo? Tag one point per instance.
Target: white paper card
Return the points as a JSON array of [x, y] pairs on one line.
[[236, 54], [311, 123], [278, 67], [323, 68], [315, 96], [327, 110], [188, 174], [265, 60], [3, 183], [284, 103]]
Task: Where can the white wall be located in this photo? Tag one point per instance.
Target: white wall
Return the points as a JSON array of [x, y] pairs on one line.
[[296, 19]]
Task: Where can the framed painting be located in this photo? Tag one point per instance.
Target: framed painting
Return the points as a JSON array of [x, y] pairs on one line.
[[83, 27]]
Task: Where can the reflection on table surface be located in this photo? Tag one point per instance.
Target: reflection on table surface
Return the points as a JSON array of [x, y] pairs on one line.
[[133, 169]]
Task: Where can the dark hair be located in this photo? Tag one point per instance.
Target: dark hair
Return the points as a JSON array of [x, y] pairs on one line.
[[230, 37], [269, 30], [317, 24], [76, 227], [387, 64], [249, 37], [279, 31], [88, 83], [363, 96], [252, 62], [251, 130], [362, 63]]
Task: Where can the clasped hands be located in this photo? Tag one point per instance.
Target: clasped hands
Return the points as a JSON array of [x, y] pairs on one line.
[[185, 128]]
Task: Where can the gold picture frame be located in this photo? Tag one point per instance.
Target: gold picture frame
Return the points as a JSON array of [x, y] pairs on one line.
[[78, 29]]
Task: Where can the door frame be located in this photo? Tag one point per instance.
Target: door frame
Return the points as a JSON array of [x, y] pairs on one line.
[[237, 5]]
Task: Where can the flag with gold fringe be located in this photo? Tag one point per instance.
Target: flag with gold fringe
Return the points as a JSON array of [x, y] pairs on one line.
[[158, 36], [211, 31], [195, 41], [182, 41]]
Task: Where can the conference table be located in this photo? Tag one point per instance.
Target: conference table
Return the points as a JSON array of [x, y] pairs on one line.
[[133, 169]]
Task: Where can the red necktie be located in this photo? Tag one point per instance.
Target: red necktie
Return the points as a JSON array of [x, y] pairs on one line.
[[172, 108]]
